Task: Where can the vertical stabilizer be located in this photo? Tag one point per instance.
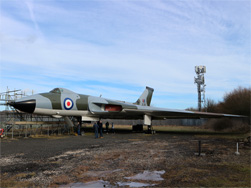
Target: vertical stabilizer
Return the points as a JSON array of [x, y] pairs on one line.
[[146, 97]]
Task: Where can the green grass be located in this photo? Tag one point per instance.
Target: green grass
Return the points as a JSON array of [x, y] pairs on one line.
[[179, 129], [233, 176]]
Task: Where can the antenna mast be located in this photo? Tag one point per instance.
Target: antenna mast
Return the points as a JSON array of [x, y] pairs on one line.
[[200, 81]]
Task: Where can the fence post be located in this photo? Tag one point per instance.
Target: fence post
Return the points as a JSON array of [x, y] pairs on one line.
[[237, 149], [199, 147]]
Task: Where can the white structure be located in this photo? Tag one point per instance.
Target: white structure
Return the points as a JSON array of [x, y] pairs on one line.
[[200, 81]]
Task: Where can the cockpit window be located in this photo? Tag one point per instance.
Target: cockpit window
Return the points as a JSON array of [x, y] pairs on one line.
[[56, 90], [60, 91]]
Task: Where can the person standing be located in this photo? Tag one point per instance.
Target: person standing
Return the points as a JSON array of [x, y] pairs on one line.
[[79, 129], [113, 128], [100, 125], [95, 126], [107, 127]]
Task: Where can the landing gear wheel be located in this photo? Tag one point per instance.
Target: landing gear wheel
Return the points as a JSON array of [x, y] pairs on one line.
[[150, 130]]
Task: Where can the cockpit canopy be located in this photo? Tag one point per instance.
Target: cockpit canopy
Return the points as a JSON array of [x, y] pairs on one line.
[[61, 90]]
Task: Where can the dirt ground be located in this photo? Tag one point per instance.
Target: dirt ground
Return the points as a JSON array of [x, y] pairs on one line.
[[57, 161]]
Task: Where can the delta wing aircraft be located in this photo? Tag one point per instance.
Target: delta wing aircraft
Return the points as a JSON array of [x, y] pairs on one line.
[[62, 102]]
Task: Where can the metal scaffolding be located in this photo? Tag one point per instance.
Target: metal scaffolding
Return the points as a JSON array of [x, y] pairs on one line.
[[18, 123]]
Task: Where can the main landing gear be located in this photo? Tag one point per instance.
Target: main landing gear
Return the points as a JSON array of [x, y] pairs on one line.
[[150, 130]]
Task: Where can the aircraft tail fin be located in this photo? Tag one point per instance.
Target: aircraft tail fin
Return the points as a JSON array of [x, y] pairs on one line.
[[146, 97]]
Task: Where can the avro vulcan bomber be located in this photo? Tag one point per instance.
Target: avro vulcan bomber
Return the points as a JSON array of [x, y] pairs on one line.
[[62, 102]]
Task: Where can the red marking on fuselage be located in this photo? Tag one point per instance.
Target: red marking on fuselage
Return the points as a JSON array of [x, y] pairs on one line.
[[113, 108]]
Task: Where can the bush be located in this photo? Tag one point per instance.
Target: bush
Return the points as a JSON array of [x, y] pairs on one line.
[[227, 125], [236, 102], [212, 106], [219, 124]]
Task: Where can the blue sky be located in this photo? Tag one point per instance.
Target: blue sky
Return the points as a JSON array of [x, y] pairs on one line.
[[116, 48]]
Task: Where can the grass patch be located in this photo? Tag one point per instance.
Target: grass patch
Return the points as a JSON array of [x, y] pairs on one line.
[[50, 137], [232, 136], [232, 176], [175, 129], [180, 129], [14, 181], [25, 175], [169, 128], [224, 182], [61, 180]]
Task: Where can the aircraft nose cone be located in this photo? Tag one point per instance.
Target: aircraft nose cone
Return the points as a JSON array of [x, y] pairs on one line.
[[25, 106]]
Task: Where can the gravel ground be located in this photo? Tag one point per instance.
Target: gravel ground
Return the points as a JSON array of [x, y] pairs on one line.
[[61, 160]]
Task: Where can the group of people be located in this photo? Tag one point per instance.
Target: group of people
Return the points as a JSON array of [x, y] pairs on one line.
[[98, 129]]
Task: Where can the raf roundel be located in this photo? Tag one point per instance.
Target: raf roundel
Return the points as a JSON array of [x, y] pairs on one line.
[[68, 104]]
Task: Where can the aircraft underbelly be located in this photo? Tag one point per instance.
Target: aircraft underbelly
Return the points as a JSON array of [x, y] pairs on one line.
[[61, 112]]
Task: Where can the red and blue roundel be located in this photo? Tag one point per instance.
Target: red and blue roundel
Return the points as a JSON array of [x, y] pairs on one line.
[[68, 104]]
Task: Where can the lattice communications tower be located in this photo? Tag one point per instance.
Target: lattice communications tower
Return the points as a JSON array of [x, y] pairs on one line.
[[200, 81]]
